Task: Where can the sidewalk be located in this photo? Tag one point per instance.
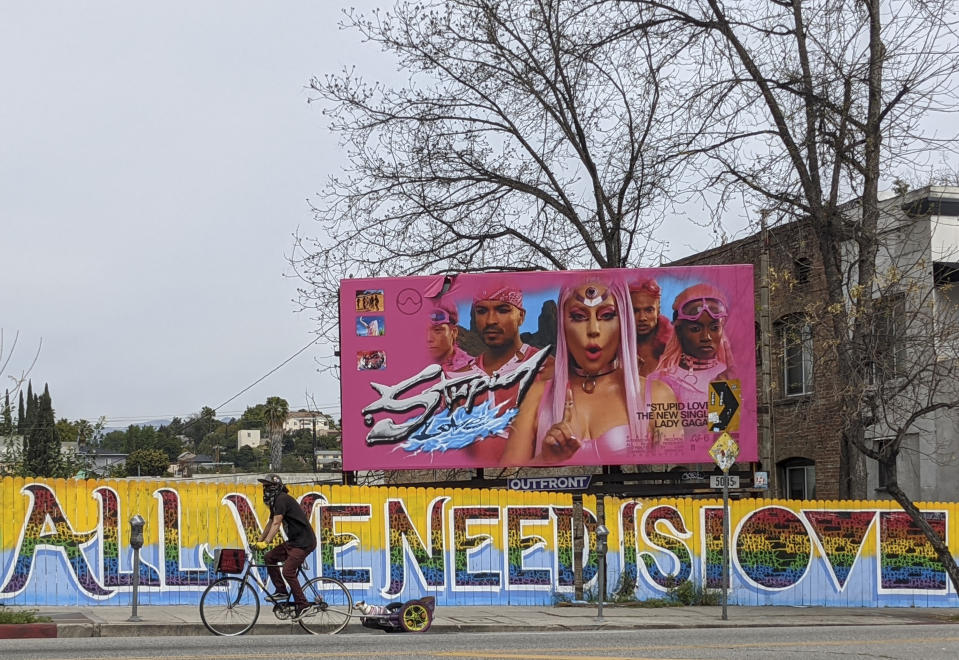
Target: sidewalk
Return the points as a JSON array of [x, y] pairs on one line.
[[108, 621]]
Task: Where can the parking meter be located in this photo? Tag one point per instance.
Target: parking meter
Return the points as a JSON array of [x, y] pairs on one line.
[[602, 532], [136, 542], [136, 531]]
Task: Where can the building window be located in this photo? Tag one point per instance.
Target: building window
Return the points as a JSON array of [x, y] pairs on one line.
[[888, 348], [799, 479], [803, 267], [795, 336]]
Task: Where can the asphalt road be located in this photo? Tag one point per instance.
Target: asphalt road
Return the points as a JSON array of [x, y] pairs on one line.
[[929, 642]]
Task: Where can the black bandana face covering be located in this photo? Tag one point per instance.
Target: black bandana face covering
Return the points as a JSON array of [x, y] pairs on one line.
[[269, 494]]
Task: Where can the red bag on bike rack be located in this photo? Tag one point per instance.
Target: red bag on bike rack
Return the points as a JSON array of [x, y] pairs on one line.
[[229, 560]]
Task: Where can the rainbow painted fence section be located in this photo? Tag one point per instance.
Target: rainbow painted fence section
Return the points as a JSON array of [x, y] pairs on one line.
[[67, 542]]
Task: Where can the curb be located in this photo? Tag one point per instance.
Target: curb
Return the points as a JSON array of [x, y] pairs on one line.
[[82, 630], [27, 630]]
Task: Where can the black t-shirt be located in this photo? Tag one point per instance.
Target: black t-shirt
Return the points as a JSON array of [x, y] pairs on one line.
[[299, 534]]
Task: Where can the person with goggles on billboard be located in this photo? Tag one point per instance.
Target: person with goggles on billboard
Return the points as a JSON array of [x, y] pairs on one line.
[[698, 352], [441, 338]]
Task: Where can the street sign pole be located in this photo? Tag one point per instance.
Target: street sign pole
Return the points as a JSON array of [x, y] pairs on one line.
[[725, 544], [724, 451]]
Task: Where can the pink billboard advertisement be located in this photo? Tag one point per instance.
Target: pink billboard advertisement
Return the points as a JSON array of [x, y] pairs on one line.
[[603, 367]]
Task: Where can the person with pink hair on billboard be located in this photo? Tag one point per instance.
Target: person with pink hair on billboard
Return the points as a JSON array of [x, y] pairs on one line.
[[653, 330], [593, 409], [698, 353], [441, 339]]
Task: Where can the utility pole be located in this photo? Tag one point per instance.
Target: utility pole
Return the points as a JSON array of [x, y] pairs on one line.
[[767, 450], [314, 444]]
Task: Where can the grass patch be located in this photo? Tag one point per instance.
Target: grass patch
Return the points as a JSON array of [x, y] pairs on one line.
[[683, 594], [8, 615]]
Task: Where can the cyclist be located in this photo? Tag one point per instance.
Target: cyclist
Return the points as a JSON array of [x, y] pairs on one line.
[[300, 542]]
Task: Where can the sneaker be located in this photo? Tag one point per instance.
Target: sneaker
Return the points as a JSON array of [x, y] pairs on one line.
[[278, 597], [301, 611]]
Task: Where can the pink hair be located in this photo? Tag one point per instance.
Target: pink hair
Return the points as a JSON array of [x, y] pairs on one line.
[[649, 286], [553, 404]]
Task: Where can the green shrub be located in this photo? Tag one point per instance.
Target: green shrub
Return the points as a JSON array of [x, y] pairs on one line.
[[687, 593], [623, 593], [20, 616]]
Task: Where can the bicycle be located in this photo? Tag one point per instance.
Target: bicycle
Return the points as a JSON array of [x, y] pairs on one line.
[[230, 606]]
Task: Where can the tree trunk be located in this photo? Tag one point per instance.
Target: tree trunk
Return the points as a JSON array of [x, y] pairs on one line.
[[938, 544], [852, 464], [276, 451]]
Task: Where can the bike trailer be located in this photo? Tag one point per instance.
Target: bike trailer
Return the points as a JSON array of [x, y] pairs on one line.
[[410, 616]]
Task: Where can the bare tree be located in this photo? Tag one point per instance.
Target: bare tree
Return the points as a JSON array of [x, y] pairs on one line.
[[816, 103], [8, 347], [527, 137], [11, 448]]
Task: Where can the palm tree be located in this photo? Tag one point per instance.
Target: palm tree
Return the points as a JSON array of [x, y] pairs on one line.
[[276, 411]]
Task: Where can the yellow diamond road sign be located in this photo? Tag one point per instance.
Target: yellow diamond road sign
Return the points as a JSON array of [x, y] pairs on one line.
[[724, 451]]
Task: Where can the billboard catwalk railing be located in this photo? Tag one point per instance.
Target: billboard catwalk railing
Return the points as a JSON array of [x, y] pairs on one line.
[[66, 542]]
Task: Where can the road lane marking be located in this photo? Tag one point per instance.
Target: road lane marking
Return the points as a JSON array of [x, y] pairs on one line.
[[508, 655], [546, 654]]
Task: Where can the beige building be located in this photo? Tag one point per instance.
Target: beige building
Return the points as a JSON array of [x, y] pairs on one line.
[[248, 438], [304, 419]]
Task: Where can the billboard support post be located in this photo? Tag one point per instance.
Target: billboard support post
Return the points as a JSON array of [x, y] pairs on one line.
[[578, 534]]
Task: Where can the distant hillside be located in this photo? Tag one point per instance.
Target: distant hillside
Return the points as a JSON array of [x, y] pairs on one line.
[[155, 423]]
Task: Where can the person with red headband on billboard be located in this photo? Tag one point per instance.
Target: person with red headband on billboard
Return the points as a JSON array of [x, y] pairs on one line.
[[441, 337], [698, 353], [594, 408], [498, 314], [653, 330]]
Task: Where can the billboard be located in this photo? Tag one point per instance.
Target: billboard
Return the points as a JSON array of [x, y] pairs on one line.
[[602, 367]]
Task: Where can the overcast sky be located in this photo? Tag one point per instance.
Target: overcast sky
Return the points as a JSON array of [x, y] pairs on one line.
[[155, 161]]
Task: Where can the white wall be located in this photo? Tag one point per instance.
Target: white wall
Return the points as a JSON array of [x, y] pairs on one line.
[[248, 438]]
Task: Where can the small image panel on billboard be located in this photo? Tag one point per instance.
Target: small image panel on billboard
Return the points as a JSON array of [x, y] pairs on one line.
[[370, 360], [370, 326], [369, 300]]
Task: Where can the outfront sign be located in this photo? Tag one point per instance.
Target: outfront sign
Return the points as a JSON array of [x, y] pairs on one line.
[[580, 482], [608, 367]]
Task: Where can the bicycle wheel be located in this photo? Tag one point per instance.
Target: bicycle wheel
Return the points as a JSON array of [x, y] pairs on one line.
[[331, 606], [229, 606], [415, 617]]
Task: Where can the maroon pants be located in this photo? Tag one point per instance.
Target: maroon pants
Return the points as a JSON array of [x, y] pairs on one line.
[[291, 558]]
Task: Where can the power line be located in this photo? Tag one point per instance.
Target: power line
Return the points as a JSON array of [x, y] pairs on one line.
[[267, 374], [130, 420]]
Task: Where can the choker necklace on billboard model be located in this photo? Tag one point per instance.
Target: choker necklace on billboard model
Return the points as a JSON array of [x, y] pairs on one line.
[[695, 364], [589, 380]]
